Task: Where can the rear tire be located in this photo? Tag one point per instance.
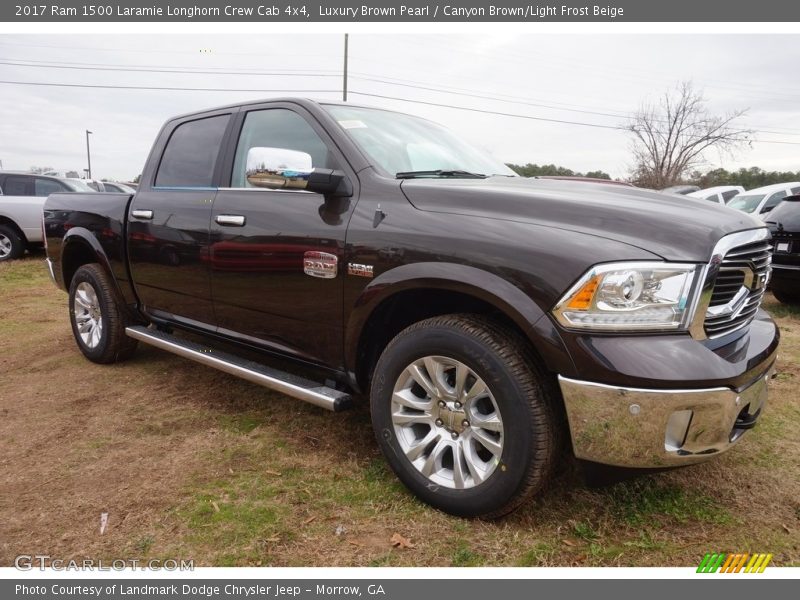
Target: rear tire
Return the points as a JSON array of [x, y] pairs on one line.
[[785, 297], [11, 244], [469, 453], [98, 316]]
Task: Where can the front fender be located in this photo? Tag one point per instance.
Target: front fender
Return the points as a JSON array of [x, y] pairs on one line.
[[488, 287]]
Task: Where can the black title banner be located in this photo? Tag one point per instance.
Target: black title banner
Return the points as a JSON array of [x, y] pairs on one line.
[[344, 11]]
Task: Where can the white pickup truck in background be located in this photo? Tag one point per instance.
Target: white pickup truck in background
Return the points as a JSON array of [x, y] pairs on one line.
[[22, 197]]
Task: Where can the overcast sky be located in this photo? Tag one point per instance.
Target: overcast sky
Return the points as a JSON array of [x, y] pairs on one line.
[[563, 77]]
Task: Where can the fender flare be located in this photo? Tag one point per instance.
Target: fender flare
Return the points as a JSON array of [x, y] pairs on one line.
[[472, 281], [84, 237]]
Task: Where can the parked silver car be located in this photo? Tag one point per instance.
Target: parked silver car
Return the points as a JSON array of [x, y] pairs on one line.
[[22, 197]]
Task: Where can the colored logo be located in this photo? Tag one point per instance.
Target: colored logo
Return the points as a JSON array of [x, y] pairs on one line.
[[714, 562]]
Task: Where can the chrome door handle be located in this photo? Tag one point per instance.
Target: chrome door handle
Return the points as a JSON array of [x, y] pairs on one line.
[[147, 215], [230, 220]]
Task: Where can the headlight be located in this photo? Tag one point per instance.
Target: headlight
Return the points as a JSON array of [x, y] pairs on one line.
[[642, 296]]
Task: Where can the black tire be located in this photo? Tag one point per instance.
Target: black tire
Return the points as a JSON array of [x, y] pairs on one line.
[[111, 345], [524, 400], [785, 297], [12, 246]]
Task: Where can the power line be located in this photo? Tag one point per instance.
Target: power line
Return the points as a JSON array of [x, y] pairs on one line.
[[505, 114], [165, 88], [489, 112], [247, 71], [362, 76], [156, 51], [336, 91], [545, 61], [280, 72]]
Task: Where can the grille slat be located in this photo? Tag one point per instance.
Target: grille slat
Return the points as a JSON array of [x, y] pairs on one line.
[[726, 286], [731, 278]]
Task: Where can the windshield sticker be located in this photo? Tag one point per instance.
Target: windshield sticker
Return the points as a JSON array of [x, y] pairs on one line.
[[353, 124]]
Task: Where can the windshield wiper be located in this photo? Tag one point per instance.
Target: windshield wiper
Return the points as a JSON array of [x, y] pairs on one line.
[[440, 173]]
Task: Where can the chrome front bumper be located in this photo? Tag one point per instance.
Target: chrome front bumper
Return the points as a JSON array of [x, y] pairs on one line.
[[649, 428]]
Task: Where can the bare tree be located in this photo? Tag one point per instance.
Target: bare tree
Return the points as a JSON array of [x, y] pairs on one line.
[[671, 136], [38, 170]]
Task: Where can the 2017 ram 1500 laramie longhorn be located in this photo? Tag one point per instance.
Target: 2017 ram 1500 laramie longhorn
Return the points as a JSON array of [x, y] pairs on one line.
[[485, 314]]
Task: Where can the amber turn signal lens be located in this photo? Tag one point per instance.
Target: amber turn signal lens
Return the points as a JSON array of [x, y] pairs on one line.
[[583, 298]]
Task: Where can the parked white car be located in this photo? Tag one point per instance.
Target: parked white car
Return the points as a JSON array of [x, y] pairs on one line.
[[760, 201], [721, 194], [22, 197]]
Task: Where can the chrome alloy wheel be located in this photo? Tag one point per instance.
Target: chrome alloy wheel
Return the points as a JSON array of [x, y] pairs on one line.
[[5, 246], [447, 422], [88, 316]]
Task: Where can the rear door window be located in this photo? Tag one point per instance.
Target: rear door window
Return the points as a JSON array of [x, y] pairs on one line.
[[191, 153], [726, 196], [18, 185]]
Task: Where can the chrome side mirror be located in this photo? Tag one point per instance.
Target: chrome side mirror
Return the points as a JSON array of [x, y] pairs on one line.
[[278, 168]]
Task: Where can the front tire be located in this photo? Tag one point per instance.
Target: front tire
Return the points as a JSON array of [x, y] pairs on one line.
[[11, 244], [463, 416], [98, 317]]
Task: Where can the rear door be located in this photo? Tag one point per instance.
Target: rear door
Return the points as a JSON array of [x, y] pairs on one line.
[[168, 231], [260, 239]]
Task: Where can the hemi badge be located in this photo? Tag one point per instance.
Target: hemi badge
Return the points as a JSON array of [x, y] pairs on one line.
[[320, 264], [359, 270]]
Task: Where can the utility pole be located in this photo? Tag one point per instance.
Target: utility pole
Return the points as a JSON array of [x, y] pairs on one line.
[[344, 81], [88, 154]]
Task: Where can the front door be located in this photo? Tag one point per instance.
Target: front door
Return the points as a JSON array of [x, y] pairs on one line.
[[276, 256]]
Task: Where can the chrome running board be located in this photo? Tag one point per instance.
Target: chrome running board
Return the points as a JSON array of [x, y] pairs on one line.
[[285, 383]]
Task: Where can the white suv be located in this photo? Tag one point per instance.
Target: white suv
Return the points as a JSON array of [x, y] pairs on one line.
[[721, 194], [760, 201], [22, 197]]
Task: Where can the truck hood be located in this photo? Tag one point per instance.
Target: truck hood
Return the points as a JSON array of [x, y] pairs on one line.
[[676, 228]]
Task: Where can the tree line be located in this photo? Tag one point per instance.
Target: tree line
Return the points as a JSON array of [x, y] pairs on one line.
[[749, 178], [534, 170]]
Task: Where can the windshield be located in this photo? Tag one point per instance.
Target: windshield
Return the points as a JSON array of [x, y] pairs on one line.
[[746, 203], [400, 143], [77, 185]]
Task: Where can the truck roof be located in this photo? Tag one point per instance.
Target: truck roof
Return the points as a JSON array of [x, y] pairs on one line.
[[306, 102]]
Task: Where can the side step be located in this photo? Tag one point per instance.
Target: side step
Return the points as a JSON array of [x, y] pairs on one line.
[[286, 383]]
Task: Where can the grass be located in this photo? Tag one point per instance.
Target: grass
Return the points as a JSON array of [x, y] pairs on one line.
[[647, 501], [191, 463]]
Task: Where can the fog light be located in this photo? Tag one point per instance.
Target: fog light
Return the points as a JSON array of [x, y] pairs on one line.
[[677, 428]]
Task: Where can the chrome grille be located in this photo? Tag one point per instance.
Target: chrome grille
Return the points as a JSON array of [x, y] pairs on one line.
[[738, 288]]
